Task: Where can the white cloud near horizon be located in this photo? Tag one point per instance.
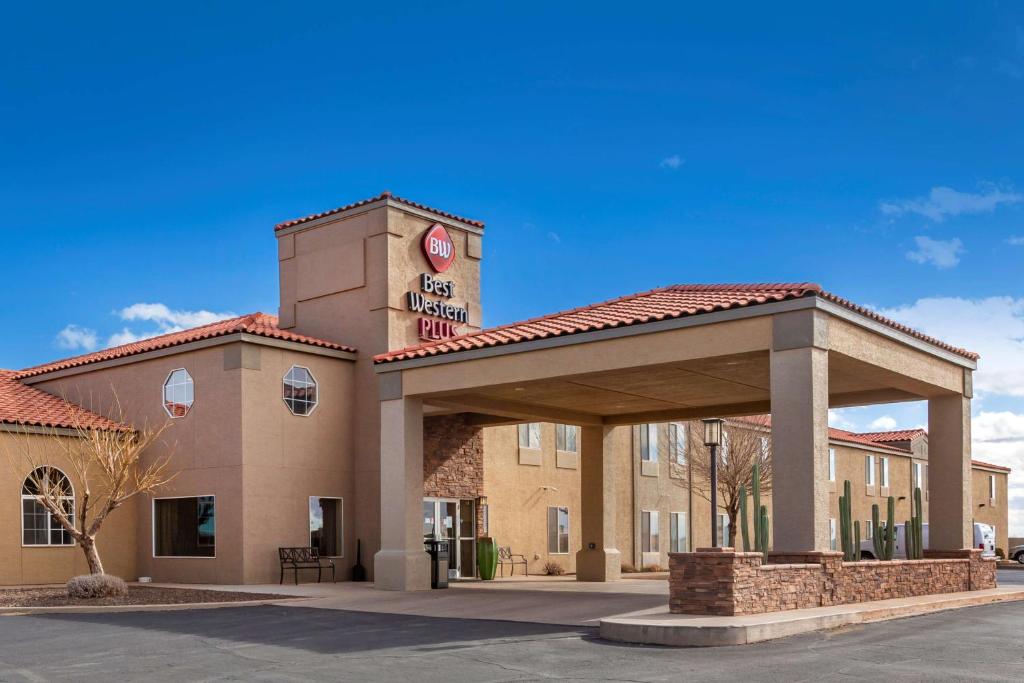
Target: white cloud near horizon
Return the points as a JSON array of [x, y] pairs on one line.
[[939, 253], [672, 163], [942, 202], [74, 337], [885, 423], [1015, 240]]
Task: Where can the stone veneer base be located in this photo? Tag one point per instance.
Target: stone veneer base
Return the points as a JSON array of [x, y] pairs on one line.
[[660, 627]]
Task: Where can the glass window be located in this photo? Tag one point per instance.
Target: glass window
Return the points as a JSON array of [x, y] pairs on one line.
[[326, 520], [678, 543], [179, 393], [650, 531], [723, 452], [917, 476], [566, 438], [649, 443], [529, 435], [723, 530], [884, 462], [831, 464], [677, 442], [558, 530], [184, 527], [992, 487], [37, 523], [832, 534], [300, 391], [869, 531], [869, 470]]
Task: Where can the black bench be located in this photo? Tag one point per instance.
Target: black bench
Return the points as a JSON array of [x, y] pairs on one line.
[[506, 556], [304, 558]]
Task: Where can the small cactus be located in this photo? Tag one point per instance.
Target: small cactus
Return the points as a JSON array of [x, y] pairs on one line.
[[760, 516], [850, 548], [743, 519]]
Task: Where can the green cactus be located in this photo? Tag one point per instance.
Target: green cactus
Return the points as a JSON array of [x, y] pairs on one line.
[[856, 541], [914, 529], [764, 531], [851, 550], [890, 528], [743, 519], [876, 533], [760, 534]]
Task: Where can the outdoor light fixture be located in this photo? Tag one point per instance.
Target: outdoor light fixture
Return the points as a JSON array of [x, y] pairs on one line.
[[713, 439]]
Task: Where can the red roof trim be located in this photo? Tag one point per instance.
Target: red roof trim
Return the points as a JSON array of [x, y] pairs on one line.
[[27, 406], [979, 463], [257, 324], [383, 195], [676, 301], [895, 435]]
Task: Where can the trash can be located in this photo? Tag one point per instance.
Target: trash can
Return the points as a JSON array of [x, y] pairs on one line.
[[439, 553]]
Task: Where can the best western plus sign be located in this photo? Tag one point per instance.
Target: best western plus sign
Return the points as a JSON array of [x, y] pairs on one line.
[[440, 252]]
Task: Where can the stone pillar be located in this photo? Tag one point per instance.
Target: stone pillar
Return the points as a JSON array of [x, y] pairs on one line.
[[401, 563], [599, 559], [951, 518], [799, 403]]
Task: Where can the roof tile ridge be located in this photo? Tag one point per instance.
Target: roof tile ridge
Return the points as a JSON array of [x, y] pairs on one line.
[[386, 194]]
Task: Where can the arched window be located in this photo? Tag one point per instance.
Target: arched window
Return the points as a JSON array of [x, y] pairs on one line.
[[37, 524], [300, 390], [179, 393]]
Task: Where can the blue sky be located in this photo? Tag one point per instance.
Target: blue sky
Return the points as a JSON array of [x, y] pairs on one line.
[[146, 156]]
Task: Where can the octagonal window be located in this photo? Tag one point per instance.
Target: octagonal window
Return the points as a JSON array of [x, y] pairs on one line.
[[300, 390], [179, 393]]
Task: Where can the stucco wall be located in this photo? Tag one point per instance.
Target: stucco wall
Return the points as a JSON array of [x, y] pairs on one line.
[[988, 511]]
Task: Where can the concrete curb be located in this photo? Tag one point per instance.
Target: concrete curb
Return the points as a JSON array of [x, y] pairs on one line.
[[679, 630], [100, 609]]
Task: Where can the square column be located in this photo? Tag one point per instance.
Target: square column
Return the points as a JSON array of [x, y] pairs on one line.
[[599, 559], [401, 563], [800, 495], [951, 514]]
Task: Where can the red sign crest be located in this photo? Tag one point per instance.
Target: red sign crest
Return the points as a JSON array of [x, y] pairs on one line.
[[438, 248]]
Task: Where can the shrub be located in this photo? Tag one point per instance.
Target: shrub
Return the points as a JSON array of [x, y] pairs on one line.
[[653, 568], [96, 586], [553, 569], [1000, 553], [627, 569]]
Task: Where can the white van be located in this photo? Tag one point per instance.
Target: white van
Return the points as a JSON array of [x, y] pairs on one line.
[[984, 538]]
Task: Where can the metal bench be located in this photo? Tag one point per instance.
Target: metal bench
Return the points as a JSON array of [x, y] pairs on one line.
[[506, 556], [304, 558]]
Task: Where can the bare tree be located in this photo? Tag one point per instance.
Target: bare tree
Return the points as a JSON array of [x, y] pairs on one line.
[[746, 442], [106, 463]]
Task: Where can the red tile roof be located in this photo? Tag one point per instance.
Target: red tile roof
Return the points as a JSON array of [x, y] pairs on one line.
[[676, 301], [833, 433], [28, 406], [383, 195], [897, 435], [258, 324], [979, 463]]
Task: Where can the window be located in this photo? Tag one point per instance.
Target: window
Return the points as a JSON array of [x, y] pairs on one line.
[[884, 462], [992, 487], [650, 531], [38, 527], [649, 443], [326, 520], [723, 530], [529, 435], [179, 393], [677, 443], [184, 527], [566, 438], [831, 464], [723, 451], [869, 531], [869, 470], [300, 393], [677, 523], [918, 471], [558, 530], [832, 534]]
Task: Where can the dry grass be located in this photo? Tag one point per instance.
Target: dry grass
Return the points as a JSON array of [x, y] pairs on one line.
[[137, 595]]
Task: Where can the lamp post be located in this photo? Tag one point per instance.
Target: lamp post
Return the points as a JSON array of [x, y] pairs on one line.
[[713, 439]]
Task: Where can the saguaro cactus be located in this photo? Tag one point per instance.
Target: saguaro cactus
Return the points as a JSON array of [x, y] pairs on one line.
[[884, 536], [913, 530], [743, 519], [856, 541], [850, 547]]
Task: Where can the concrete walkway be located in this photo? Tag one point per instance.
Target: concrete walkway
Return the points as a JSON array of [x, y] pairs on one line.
[[540, 600]]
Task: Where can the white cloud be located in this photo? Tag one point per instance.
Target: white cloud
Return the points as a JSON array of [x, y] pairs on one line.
[[993, 327], [672, 163], [885, 423], [554, 237], [939, 253], [74, 337], [126, 336], [837, 419], [998, 438], [945, 201], [1015, 241], [167, 318]]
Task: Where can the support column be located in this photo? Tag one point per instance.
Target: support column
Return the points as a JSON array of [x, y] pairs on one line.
[[599, 559], [951, 515], [799, 403], [401, 563]]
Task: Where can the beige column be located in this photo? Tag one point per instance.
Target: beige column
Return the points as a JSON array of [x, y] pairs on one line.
[[401, 563], [951, 518], [800, 496], [599, 559]]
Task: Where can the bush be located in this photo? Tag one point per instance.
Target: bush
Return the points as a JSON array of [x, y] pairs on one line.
[[652, 568], [1000, 553], [553, 569], [627, 569], [96, 586]]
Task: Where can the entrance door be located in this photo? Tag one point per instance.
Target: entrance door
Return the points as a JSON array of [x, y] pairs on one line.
[[451, 520]]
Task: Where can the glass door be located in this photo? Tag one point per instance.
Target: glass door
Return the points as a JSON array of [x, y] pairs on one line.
[[453, 521]]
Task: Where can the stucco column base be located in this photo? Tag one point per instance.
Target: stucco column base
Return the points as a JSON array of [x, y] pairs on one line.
[[401, 570], [598, 565]]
